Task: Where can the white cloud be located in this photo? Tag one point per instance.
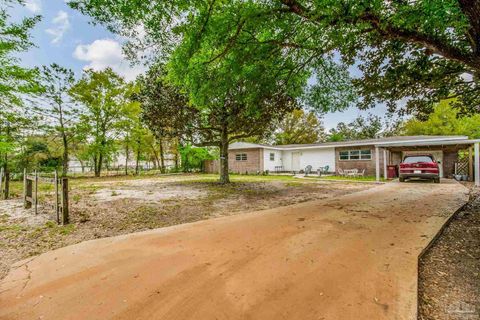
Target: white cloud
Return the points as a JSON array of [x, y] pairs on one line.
[[104, 53], [61, 25], [34, 6]]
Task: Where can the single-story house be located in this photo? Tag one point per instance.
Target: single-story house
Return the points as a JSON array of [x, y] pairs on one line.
[[373, 155]]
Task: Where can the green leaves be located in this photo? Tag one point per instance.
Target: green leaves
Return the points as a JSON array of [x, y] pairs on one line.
[[415, 51], [105, 97], [299, 127], [15, 81], [445, 120]]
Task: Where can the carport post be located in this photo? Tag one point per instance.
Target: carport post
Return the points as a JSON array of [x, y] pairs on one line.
[[477, 164], [377, 163], [384, 163]]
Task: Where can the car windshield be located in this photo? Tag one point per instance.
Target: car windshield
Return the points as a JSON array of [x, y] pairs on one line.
[[414, 159]]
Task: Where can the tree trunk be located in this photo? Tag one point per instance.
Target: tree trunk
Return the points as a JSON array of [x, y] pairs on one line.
[[126, 159], [98, 165], [5, 169], [82, 165], [65, 155], [162, 156], [136, 163], [138, 157], [176, 160], [6, 176], [224, 175], [7, 185]]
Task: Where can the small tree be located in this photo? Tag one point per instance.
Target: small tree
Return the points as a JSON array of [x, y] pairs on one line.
[[15, 81], [194, 157], [59, 113], [299, 127], [105, 97]]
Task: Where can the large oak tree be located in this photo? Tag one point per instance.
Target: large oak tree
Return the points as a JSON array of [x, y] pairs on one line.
[[214, 115], [413, 52]]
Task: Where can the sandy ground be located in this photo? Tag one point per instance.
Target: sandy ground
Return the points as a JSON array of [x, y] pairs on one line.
[[108, 207], [351, 257]]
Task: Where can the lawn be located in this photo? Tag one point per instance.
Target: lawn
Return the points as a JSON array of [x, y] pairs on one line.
[[349, 178], [109, 206]]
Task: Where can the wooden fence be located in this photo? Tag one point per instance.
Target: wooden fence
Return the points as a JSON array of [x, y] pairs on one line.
[[30, 194], [4, 184]]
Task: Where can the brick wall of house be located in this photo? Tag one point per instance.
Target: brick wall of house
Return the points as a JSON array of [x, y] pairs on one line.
[[368, 165], [449, 159], [253, 163]]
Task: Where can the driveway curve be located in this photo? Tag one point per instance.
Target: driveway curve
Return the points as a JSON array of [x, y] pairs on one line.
[[353, 257]]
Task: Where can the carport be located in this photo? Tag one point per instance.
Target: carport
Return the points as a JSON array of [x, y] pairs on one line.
[[449, 149]]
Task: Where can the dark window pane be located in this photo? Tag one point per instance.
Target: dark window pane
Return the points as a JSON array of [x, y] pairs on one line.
[[366, 154]]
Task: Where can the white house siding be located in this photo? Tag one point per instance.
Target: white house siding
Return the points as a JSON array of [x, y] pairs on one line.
[[267, 163], [314, 157]]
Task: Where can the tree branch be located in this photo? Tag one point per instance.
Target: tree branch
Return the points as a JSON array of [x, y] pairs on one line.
[[388, 31]]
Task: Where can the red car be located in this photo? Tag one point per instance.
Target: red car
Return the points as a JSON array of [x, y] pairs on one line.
[[421, 166]]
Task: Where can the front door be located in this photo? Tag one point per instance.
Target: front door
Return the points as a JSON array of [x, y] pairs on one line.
[[295, 161]]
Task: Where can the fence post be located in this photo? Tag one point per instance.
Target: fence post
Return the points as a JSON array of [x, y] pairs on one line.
[[28, 190], [56, 196], [24, 187], [6, 189], [65, 213], [35, 194], [1, 181]]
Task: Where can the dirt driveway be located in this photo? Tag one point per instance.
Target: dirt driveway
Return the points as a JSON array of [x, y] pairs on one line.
[[352, 257]]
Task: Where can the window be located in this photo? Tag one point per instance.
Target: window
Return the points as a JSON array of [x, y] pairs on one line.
[[356, 155], [343, 155], [366, 154], [415, 159], [241, 157], [272, 156]]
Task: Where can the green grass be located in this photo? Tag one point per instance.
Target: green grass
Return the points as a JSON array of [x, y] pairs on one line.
[[88, 184], [259, 178], [364, 178]]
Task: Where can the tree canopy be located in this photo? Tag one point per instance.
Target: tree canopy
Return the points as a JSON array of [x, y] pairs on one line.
[[369, 127], [445, 120], [105, 96], [15, 80], [416, 52], [299, 127], [214, 115]]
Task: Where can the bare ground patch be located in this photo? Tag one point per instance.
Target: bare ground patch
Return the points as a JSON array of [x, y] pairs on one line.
[[104, 208]]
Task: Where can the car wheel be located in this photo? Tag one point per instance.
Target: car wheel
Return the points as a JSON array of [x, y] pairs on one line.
[[401, 179], [436, 180]]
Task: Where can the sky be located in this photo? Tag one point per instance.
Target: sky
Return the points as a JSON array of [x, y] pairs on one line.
[[66, 37]]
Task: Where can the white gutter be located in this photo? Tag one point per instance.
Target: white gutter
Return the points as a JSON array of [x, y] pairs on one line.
[[359, 143], [374, 143], [427, 143]]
